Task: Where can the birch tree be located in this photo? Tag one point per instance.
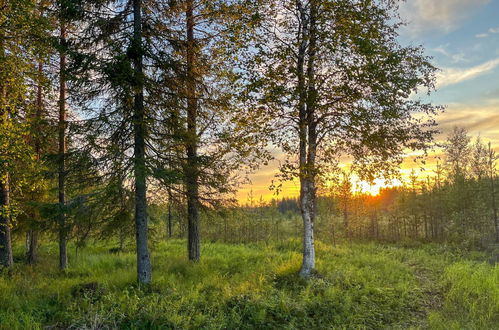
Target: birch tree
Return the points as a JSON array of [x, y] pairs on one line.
[[329, 78]]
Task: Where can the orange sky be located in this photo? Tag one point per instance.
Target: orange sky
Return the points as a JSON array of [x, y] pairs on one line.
[[478, 121]]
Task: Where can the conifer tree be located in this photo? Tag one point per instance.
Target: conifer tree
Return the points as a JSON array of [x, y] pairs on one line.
[[21, 28], [205, 145]]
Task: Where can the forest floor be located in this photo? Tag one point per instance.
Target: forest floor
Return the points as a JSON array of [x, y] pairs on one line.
[[254, 286]]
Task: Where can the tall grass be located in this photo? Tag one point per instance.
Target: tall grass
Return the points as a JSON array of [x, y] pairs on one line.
[[471, 297], [239, 287]]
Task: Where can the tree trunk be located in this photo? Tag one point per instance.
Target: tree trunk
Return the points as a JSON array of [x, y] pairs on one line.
[[494, 203], [6, 259], [191, 172], [122, 240], [225, 230], [32, 251], [169, 221], [307, 134], [307, 211], [144, 274], [63, 256], [346, 225], [169, 224]]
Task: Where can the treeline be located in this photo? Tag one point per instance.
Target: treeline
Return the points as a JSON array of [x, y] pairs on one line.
[[114, 114], [456, 202]]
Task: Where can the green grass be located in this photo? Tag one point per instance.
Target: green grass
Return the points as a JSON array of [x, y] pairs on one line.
[[359, 286]]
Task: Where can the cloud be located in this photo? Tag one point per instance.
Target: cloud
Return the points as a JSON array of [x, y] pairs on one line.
[[454, 57], [485, 35], [425, 16], [452, 76], [477, 119]]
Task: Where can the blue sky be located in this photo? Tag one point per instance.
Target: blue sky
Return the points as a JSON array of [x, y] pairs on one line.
[[462, 36]]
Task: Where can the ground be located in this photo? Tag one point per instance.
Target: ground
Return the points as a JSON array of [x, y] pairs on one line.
[[359, 286]]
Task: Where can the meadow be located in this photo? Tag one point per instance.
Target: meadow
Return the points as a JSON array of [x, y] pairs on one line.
[[255, 286]]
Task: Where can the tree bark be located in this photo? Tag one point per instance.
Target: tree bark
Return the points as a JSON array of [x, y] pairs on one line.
[[144, 273], [345, 215], [6, 259], [169, 220], [63, 255], [122, 237], [492, 176], [191, 172], [32, 252], [307, 134]]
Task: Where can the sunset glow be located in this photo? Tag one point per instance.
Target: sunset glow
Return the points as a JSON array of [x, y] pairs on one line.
[[374, 188]]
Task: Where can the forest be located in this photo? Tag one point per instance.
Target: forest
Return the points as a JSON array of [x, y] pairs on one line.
[[127, 128]]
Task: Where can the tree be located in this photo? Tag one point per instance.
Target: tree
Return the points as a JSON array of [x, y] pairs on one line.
[[458, 153], [107, 69], [491, 169], [5, 239], [139, 127], [191, 167], [199, 140], [344, 195], [40, 130], [63, 256], [21, 27], [329, 78]]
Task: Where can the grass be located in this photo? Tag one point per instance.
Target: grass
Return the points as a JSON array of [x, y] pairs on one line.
[[358, 286]]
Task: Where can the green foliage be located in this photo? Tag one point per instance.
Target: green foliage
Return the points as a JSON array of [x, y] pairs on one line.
[[340, 63], [251, 286]]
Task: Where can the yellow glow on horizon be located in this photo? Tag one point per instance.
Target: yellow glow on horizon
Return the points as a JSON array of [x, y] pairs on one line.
[[290, 189], [374, 188]]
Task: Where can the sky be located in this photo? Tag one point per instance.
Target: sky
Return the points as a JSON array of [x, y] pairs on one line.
[[462, 37]]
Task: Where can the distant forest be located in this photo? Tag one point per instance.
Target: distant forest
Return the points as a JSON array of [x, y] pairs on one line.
[[456, 203]]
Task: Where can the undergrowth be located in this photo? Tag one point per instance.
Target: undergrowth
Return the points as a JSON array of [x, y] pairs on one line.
[[361, 286]]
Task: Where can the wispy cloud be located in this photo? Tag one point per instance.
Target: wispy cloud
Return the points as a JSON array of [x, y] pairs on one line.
[[485, 35], [452, 76], [443, 15], [478, 119], [454, 57]]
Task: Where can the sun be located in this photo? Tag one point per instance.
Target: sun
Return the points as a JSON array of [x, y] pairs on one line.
[[368, 188], [374, 188]]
